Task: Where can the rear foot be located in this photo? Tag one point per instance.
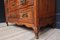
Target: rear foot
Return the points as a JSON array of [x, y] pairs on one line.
[[52, 26]]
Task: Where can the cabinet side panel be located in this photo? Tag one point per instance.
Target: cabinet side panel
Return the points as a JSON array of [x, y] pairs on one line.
[[43, 12], [51, 11], [46, 12], [51, 7]]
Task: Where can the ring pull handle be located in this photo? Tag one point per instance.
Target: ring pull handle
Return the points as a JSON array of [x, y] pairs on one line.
[[25, 15]]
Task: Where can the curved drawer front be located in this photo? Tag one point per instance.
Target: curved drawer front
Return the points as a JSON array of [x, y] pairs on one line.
[[11, 5], [26, 15], [24, 3], [7, 2], [16, 4], [13, 16]]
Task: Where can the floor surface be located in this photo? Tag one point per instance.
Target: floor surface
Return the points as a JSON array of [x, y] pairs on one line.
[[18, 33]]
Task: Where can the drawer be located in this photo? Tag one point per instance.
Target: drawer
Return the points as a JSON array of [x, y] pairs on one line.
[[24, 3], [13, 16], [13, 5], [7, 2], [16, 4], [26, 15], [7, 10]]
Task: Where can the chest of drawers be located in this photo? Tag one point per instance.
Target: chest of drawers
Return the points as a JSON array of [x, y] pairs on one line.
[[32, 13]]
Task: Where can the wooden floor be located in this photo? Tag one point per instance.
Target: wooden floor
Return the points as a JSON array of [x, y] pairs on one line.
[[20, 33]]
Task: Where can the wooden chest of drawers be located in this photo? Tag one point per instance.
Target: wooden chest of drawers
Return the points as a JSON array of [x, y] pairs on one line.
[[32, 13]]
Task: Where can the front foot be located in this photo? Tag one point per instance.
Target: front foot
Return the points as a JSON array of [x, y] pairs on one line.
[[7, 23], [36, 36], [36, 31], [53, 26]]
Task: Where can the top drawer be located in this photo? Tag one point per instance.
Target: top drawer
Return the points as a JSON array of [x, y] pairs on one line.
[[24, 3], [7, 2], [16, 4]]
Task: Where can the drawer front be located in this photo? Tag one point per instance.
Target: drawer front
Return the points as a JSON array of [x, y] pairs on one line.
[[13, 16], [11, 4], [7, 2], [24, 3], [10, 9], [26, 15], [16, 4], [7, 10]]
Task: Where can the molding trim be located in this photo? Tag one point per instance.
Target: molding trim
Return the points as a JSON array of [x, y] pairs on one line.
[[58, 22], [57, 13]]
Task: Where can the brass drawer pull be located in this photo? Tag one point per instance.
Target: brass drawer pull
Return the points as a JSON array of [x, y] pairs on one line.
[[25, 15]]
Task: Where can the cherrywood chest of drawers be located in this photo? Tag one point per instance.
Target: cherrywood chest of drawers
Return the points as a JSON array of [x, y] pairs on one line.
[[32, 13]]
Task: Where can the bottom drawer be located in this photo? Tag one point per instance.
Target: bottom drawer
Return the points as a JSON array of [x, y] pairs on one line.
[[11, 20], [12, 16], [26, 15]]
